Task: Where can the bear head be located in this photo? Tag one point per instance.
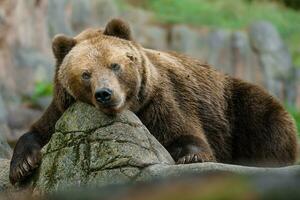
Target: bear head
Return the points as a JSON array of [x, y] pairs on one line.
[[100, 67]]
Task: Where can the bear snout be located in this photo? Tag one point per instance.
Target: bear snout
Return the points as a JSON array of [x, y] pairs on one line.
[[103, 95]]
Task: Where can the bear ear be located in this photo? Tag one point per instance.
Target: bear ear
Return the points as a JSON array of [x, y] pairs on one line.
[[118, 28], [61, 45]]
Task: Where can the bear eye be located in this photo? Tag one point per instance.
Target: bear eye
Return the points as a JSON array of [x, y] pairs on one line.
[[115, 67], [86, 75]]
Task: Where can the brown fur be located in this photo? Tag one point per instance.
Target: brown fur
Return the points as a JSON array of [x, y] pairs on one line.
[[197, 113]]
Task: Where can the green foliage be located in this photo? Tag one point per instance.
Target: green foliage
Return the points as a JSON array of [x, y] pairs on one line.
[[42, 89], [232, 14], [296, 114], [229, 13]]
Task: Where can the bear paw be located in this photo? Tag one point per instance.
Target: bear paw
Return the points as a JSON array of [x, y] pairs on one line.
[[196, 158], [26, 158]]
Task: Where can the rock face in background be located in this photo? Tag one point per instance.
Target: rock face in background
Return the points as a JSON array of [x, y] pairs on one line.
[[258, 56], [244, 60], [188, 41], [27, 28], [274, 58]]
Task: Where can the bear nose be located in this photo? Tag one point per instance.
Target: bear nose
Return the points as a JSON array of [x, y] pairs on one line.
[[103, 95]]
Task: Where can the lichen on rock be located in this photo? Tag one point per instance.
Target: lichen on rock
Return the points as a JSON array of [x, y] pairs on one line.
[[91, 148]]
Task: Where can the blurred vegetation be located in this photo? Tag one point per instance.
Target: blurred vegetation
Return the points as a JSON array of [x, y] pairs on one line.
[[41, 90], [231, 14], [295, 4], [296, 114]]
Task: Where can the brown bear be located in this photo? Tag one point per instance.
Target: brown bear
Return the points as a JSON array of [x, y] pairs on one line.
[[195, 112]]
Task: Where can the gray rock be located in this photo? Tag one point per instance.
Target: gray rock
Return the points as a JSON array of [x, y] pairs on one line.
[[139, 21], [136, 17], [274, 57], [9, 96], [153, 37], [183, 39], [24, 29], [29, 26], [3, 111], [90, 148], [94, 13], [4, 173], [170, 171], [44, 102], [19, 119], [81, 14], [32, 67], [265, 37], [5, 150], [245, 62], [144, 31], [220, 53], [57, 18], [103, 11], [290, 88], [189, 41]]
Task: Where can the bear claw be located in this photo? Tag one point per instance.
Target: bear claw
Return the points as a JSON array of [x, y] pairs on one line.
[[23, 165], [195, 158]]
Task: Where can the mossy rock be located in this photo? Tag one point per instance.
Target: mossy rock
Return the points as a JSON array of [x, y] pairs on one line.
[[91, 148]]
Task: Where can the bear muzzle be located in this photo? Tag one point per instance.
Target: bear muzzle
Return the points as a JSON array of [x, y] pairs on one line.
[[103, 95], [107, 100]]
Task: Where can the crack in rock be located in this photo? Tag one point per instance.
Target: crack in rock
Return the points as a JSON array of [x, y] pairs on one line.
[[117, 150]]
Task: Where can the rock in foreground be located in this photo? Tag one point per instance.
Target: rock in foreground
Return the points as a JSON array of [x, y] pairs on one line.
[[91, 148]]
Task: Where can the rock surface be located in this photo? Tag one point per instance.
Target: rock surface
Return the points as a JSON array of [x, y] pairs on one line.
[[274, 57], [90, 148], [4, 170], [5, 150], [188, 41]]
